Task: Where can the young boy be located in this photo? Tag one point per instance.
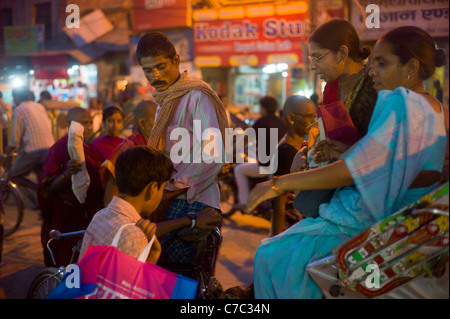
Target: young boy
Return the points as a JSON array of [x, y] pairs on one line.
[[141, 176]]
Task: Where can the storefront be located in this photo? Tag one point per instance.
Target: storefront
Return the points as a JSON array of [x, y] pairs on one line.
[[63, 78], [257, 46]]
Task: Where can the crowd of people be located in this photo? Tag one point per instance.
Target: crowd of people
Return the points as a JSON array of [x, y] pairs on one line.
[[397, 152]]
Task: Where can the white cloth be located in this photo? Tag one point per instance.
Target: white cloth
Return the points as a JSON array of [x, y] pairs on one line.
[[80, 180]]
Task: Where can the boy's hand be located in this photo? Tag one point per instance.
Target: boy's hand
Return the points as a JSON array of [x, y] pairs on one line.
[[149, 230], [208, 219]]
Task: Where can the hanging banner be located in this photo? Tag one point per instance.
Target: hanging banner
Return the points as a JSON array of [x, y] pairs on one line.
[[23, 39], [251, 35], [329, 9], [50, 67], [429, 15], [160, 14]]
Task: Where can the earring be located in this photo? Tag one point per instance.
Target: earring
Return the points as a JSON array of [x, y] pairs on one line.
[[409, 77]]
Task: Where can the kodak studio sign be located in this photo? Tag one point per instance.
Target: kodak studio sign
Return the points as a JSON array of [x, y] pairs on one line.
[[250, 35]]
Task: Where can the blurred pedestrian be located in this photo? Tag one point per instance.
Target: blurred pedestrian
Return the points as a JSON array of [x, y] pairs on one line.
[[268, 120], [31, 137]]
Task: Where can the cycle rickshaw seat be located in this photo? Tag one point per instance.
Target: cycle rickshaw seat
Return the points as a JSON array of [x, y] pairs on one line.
[[403, 256]]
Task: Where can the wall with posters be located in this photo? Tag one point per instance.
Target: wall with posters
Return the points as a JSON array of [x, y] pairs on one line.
[[430, 15]]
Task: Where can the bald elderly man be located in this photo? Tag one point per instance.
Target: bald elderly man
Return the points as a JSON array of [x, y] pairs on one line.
[[60, 208], [298, 113]]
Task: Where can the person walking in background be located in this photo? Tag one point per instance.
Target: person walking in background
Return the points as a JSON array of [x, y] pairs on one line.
[[268, 120], [31, 137]]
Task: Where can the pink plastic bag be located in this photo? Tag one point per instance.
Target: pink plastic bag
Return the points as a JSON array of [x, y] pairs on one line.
[[108, 273]]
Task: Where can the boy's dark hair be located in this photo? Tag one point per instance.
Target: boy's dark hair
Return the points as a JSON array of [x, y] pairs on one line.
[[139, 166], [110, 110], [269, 103], [154, 44]]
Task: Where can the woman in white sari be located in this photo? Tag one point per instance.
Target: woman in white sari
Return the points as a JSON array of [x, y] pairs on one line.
[[406, 137]]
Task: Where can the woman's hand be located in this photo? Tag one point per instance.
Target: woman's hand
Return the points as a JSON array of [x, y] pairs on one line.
[[260, 193], [300, 160], [327, 150], [149, 230]]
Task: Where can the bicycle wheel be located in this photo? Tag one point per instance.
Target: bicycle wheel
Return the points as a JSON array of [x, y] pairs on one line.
[[45, 282], [12, 206], [227, 199]]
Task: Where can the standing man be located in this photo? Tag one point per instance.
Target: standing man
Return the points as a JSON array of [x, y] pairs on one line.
[[181, 101], [31, 137]]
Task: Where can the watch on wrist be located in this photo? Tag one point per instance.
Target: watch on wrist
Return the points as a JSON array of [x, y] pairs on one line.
[[193, 217]]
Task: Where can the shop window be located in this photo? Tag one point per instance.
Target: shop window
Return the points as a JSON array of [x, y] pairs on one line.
[[42, 14]]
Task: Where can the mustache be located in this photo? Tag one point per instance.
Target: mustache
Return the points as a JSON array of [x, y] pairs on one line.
[[158, 82]]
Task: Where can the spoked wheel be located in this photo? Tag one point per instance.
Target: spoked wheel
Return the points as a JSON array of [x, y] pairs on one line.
[[12, 206], [227, 199], [45, 282]]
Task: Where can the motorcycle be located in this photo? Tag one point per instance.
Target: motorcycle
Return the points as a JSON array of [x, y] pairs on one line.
[[229, 196]]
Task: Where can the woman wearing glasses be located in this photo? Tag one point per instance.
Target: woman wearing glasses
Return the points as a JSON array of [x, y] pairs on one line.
[[336, 57], [398, 161]]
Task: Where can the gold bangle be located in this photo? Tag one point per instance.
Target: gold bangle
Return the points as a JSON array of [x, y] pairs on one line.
[[274, 186]]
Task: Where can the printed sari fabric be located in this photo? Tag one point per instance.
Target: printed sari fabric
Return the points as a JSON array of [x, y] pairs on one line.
[[405, 136], [62, 211]]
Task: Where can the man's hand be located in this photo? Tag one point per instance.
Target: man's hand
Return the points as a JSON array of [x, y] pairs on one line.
[[208, 219], [300, 160], [73, 167], [149, 230], [327, 150]]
